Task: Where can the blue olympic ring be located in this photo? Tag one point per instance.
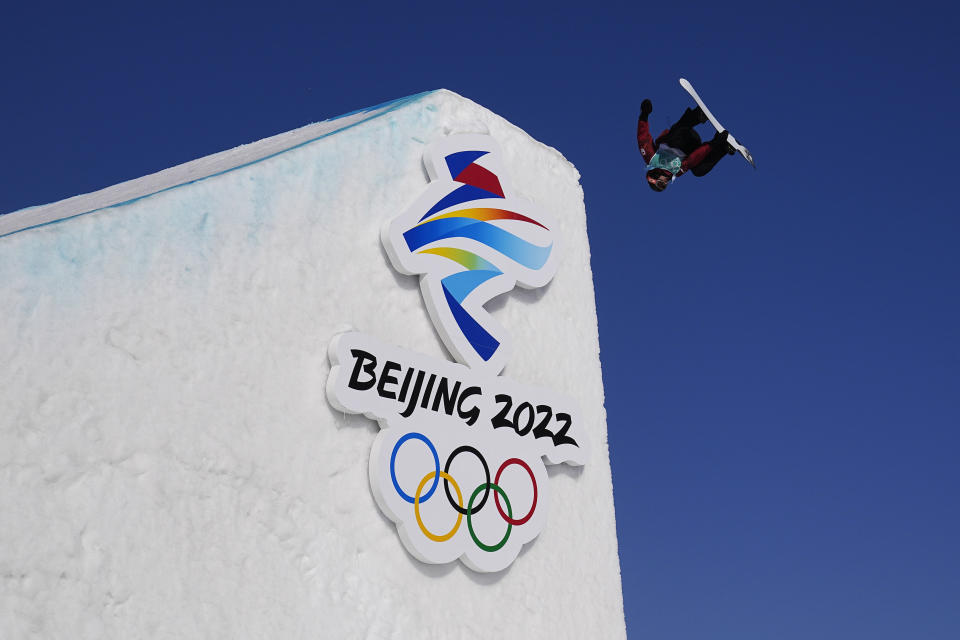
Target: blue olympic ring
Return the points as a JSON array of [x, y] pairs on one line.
[[393, 461]]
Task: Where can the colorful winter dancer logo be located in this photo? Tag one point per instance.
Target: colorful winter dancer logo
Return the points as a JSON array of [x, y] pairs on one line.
[[470, 240]]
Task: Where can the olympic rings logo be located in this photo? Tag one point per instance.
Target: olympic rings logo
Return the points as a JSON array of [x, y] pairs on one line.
[[436, 475]]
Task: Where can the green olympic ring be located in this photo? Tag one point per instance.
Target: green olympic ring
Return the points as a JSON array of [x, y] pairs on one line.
[[482, 487]]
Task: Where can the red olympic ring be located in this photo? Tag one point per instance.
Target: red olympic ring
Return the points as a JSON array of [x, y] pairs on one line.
[[496, 496]]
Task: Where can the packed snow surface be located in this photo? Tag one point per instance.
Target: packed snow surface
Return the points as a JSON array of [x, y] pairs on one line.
[[169, 464]]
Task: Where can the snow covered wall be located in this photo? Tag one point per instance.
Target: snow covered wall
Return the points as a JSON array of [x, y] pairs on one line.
[[170, 466]]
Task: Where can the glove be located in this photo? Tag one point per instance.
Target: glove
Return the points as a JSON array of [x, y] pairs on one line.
[[646, 107]]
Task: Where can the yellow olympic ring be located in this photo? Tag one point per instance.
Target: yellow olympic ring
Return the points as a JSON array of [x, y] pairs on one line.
[[416, 506]]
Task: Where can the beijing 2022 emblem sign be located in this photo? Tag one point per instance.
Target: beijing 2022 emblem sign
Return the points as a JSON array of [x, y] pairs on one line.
[[459, 462]]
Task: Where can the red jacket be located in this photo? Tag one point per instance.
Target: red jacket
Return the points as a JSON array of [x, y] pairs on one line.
[[648, 147]]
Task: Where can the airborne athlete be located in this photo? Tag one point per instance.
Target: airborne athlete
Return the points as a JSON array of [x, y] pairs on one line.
[[679, 148]]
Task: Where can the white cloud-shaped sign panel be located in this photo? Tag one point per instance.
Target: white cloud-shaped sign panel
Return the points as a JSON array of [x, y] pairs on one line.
[[459, 462]]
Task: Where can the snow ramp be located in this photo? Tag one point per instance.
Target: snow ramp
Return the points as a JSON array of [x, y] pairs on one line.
[[170, 463]]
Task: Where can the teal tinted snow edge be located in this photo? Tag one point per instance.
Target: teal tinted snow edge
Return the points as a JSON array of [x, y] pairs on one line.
[[387, 107]]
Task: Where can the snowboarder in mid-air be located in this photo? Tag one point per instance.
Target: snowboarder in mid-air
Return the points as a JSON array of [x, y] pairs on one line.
[[679, 148]]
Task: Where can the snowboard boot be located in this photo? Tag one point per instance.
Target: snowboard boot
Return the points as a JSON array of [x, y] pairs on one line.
[[700, 115], [720, 141]]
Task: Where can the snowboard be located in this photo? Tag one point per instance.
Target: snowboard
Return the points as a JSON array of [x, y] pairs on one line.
[[733, 141]]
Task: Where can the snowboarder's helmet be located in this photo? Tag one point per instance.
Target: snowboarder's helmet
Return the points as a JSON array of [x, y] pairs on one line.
[[658, 179]]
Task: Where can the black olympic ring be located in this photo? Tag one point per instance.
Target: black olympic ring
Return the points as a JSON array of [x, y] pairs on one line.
[[486, 472]]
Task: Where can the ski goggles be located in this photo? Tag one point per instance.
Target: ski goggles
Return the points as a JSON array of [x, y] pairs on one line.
[[658, 179]]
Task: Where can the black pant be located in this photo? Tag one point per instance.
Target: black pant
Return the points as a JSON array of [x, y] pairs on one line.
[[684, 137], [716, 152], [682, 134]]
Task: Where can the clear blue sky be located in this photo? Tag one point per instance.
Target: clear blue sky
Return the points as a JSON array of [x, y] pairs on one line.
[[780, 346]]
